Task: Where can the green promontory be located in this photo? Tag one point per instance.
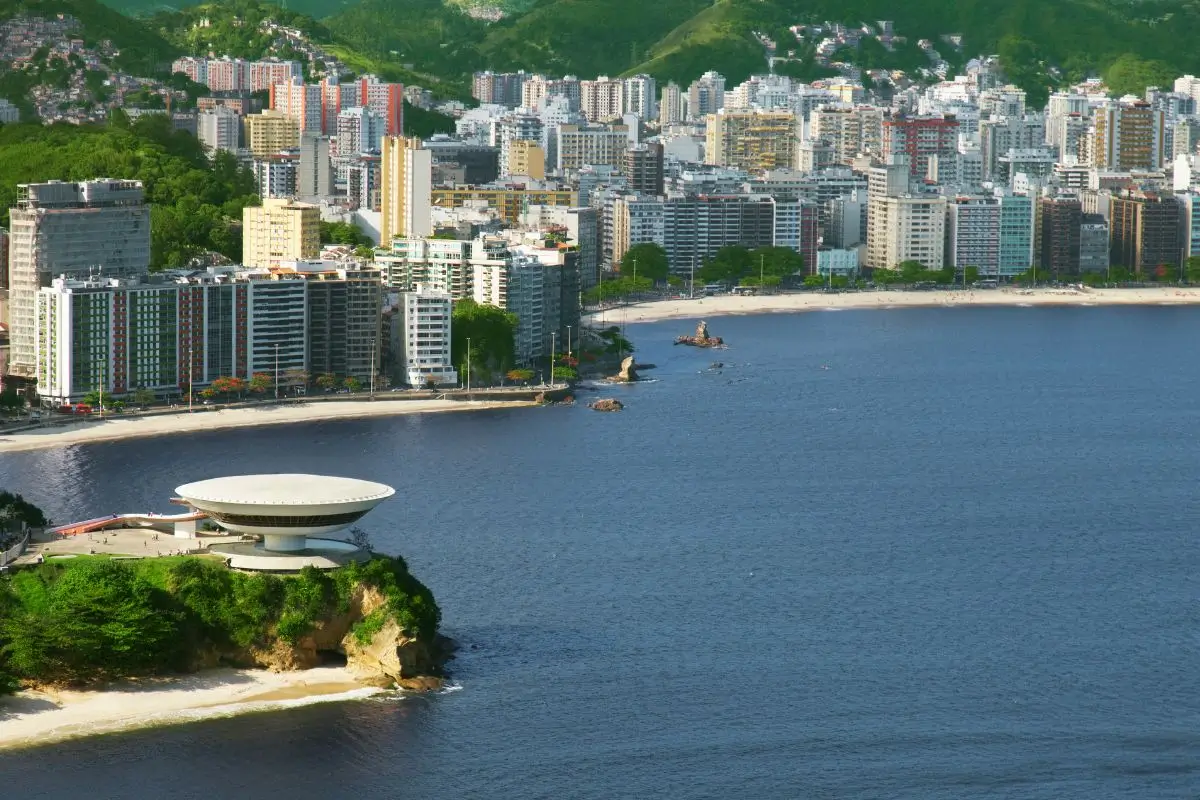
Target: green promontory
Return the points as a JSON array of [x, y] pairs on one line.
[[87, 621]]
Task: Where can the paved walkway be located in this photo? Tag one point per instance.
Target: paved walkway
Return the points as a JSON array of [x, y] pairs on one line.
[[136, 542]]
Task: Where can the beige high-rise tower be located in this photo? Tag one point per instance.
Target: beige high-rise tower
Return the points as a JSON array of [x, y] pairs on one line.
[[406, 184], [280, 230]]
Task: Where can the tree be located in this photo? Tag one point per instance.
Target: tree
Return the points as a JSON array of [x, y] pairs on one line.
[[92, 399], [910, 271], [293, 378], [778, 261], [971, 274], [729, 265], [11, 400], [346, 233], [227, 385], [519, 375], [15, 508], [353, 384], [650, 259], [492, 332], [326, 381], [1192, 269], [100, 621], [143, 396], [260, 382], [565, 373]]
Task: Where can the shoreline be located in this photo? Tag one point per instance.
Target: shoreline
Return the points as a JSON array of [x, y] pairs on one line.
[[799, 302], [132, 427], [38, 717]]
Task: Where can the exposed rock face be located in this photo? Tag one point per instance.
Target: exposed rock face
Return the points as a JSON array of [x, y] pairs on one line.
[[390, 657], [628, 373], [606, 404], [393, 656], [702, 330]]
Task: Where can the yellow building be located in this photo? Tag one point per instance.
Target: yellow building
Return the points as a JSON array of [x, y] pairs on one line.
[[526, 158], [269, 132], [406, 176], [751, 140], [510, 202], [280, 230]]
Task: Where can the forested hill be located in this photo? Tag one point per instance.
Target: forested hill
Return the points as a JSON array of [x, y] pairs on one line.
[[1043, 43]]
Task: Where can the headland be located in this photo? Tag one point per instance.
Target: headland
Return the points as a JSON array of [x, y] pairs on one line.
[[796, 302]]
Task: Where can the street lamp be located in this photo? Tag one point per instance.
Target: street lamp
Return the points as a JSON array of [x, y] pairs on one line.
[[552, 335], [277, 371], [568, 341], [469, 365]]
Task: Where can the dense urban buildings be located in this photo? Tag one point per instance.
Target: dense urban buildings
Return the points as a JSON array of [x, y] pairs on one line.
[[280, 230]]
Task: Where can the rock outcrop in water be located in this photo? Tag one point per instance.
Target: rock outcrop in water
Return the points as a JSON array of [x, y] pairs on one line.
[[606, 404], [702, 338], [628, 373]]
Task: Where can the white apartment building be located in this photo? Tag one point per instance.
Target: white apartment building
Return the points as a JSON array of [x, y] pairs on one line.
[[640, 97], [423, 337], [74, 230], [440, 265], [219, 128], [636, 220]]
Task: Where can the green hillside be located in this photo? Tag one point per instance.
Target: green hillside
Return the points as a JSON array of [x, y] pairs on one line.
[[142, 50], [435, 43]]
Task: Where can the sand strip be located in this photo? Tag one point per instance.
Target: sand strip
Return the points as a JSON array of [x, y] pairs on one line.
[[725, 305], [130, 427], [41, 717]]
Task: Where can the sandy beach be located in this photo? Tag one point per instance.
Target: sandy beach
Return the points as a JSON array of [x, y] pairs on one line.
[[129, 427], [37, 718], [724, 305]]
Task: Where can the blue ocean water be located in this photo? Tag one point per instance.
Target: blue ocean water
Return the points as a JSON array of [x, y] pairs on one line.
[[921, 553]]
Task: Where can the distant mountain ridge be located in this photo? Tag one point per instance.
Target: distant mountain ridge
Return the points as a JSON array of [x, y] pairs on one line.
[[1043, 43]]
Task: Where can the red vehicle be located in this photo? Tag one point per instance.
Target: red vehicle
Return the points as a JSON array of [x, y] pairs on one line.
[[74, 408]]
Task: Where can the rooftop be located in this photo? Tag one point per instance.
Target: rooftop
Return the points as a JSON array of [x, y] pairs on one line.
[[285, 490]]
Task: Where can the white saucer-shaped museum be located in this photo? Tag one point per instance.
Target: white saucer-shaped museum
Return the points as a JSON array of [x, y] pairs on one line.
[[284, 509]]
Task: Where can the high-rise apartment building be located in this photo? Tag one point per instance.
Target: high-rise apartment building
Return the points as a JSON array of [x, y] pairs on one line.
[[999, 136], [236, 74], [314, 177], [918, 138], [270, 132], [643, 168], [603, 99], [280, 230], [72, 230], [422, 336], [517, 126], [670, 105], [1129, 136], [640, 96], [359, 130], [1093, 245], [343, 319], [594, 145], [315, 106], [406, 183], [973, 234], [302, 102], [1144, 232], [440, 265], [1058, 223], [706, 95], [501, 88], [509, 200], [850, 130], [696, 227], [219, 129], [527, 158], [907, 228], [751, 140], [277, 175]]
